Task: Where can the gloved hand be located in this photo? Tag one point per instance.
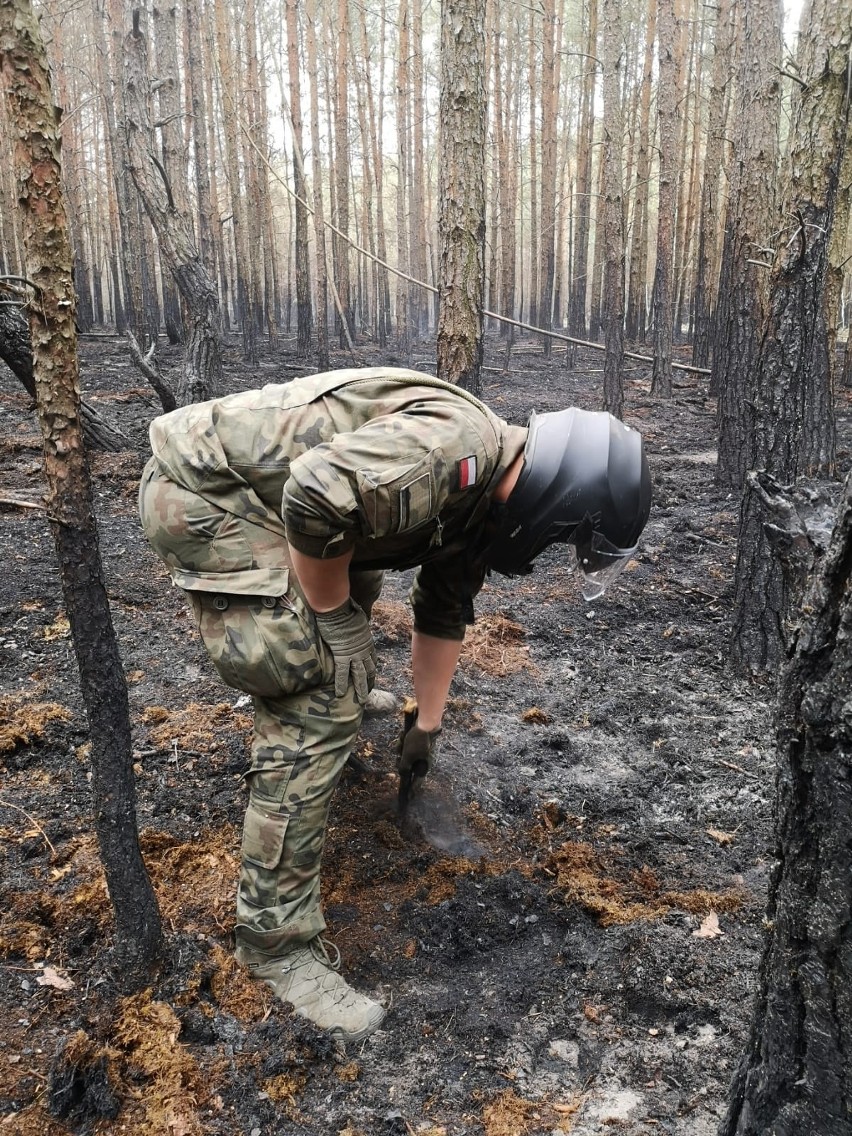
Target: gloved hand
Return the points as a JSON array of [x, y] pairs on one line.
[[346, 632], [416, 747]]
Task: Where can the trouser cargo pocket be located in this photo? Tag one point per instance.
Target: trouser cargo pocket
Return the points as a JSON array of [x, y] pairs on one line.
[[263, 645]]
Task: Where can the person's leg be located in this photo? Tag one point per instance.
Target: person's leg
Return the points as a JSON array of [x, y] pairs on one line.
[[268, 645], [300, 746]]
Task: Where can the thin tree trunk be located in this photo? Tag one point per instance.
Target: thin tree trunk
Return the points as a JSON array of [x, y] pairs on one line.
[[48, 262], [637, 286], [669, 125], [202, 366], [403, 327], [303, 281], [341, 158], [548, 171], [708, 225], [464, 128], [230, 115], [583, 201], [533, 92], [319, 207], [613, 388]]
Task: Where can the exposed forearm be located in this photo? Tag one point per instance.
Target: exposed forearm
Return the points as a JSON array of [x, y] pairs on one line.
[[433, 664], [325, 583]]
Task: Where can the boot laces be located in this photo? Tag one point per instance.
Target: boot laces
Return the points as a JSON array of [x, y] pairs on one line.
[[320, 949]]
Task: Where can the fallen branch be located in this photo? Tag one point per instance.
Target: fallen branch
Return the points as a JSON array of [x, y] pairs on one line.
[[20, 504], [147, 366]]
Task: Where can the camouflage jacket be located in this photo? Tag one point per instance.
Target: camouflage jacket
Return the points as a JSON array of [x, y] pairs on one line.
[[392, 464]]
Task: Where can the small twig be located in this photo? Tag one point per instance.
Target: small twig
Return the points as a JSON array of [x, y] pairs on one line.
[[32, 820], [20, 504]]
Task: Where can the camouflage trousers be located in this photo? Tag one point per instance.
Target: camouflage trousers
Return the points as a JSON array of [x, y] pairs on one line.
[[262, 638]]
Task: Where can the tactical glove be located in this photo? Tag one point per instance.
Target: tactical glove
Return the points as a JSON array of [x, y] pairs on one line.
[[346, 632], [416, 748]]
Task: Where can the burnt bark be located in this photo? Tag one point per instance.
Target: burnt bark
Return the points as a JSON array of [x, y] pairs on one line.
[[16, 352], [796, 1074], [461, 223], [26, 86], [786, 387], [749, 240]]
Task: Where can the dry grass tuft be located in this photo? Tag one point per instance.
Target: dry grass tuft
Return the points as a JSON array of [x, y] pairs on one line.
[[196, 727], [511, 1115], [617, 895], [497, 646], [393, 619], [194, 880], [23, 722]]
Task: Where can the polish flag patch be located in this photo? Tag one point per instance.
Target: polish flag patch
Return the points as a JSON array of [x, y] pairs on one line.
[[467, 472]]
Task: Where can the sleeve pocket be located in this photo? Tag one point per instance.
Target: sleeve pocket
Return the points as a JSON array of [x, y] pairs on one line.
[[398, 501]]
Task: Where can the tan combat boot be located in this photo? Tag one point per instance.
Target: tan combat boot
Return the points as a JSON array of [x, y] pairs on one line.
[[308, 979]]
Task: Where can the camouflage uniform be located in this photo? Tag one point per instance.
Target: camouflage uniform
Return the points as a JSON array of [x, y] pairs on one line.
[[391, 464]]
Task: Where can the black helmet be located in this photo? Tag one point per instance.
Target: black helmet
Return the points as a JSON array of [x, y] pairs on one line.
[[584, 482]]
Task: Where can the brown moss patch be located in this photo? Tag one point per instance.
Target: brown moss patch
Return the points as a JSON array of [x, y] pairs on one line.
[[163, 1078], [236, 991], [194, 880], [197, 726], [23, 722], [393, 619], [615, 893], [497, 646], [511, 1115]]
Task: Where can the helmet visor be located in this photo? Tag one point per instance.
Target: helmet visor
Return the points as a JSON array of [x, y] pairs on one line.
[[600, 563]]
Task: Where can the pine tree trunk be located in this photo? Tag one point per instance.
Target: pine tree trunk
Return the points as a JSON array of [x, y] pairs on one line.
[[341, 159], [463, 125], [613, 389], [303, 281], [403, 327], [793, 330], [548, 171], [637, 286], [319, 206], [582, 219], [30, 106], [229, 84], [796, 1076], [202, 367], [750, 237], [195, 70], [708, 225], [669, 128]]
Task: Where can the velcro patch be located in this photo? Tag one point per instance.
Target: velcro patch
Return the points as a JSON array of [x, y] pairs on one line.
[[467, 472]]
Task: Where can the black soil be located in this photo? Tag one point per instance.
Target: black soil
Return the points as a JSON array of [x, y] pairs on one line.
[[567, 928]]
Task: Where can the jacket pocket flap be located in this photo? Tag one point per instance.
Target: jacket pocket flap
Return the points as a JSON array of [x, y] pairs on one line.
[[253, 582]]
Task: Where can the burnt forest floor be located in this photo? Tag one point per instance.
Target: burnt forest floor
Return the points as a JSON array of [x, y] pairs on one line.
[[567, 931]]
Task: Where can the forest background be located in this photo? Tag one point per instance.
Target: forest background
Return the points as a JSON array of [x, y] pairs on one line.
[[677, 174]]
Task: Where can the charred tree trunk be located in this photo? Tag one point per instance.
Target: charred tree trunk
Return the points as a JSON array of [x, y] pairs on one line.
[[796, 1075], [202, 364], [17, 353], [26, 86], [793, 329], [319, 207], [749, 239], [461, 223]]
